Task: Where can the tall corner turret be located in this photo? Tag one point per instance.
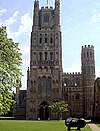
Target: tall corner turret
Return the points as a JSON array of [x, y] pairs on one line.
[[88, 76]]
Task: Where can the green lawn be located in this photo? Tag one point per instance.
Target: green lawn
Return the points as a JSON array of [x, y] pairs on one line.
[[12, 125], [98, 125]]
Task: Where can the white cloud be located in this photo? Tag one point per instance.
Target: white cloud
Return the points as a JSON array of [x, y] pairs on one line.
[[21, 35], [2, 11], [26, 24], [23, 29], [10, 20]]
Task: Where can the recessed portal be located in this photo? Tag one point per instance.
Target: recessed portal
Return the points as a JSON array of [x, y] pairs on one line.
[[44, 111]]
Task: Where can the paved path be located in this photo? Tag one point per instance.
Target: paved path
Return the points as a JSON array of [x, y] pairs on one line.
[[94, 127]]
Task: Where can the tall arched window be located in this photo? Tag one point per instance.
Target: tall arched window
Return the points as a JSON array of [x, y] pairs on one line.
[[84, 55], [91, 54], [51, 68], [77, 97], [39, 85], [31, 83], [51, 55], [40, 40], [66, 97], [77, 81], [46, 18], [40, 56], [44, 84], [48, 85], [88, 69], [87, 54], [51, 40], [45, 55], [66, 81], [45, 39]]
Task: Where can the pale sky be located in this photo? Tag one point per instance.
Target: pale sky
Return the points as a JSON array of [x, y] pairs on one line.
[[80, 25]]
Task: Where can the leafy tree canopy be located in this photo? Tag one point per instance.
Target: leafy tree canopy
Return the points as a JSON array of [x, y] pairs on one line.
[[59, 107], [10, 72]]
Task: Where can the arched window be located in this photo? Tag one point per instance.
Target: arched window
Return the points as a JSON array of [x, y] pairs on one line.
[[40, 56], [84, 55], [77, 81], [72, 97], [45, 39], [91, 54], [84, 70], [45, 55], [66, 97], [48, 85], [46, 18], [87, 54], [51, 70], [39, 85], [77, 96], [40, 40], [46, 68], [44, 84], [51, 55], [31, 83], [66, 81], [40, 68], [88, 70], [51, 40]]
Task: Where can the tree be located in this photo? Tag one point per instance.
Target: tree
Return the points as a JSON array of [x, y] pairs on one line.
[[10, 72], [59, 107]]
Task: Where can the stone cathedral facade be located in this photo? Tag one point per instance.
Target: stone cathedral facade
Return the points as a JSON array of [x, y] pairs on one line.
[[46, 81]]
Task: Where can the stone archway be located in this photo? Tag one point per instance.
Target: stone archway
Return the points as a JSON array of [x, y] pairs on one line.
[[44, 111], [41, 112]]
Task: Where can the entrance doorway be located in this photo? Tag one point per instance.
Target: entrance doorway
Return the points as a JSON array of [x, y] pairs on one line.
[[44, 111]]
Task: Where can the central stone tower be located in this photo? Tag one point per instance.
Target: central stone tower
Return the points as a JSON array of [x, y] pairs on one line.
[[44, 77]]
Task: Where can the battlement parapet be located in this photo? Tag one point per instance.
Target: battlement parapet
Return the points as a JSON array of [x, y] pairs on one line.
[[42, 7], [46, 7], [72, 73], [88, 47]]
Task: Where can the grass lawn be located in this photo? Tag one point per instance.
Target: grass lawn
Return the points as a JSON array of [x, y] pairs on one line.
[[15, 125], [98, 125]]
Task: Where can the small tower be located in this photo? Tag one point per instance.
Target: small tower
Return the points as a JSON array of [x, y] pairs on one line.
[[57, 14], [36, 15], [88, 74]]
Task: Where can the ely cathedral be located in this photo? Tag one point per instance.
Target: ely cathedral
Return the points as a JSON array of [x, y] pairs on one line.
[[46, 81]]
